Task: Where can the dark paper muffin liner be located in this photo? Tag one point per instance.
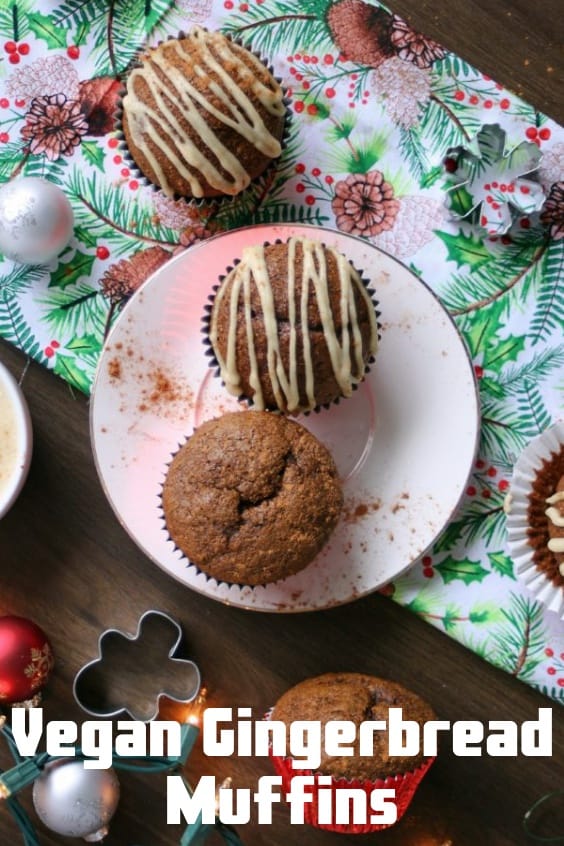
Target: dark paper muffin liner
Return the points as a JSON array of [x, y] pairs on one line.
[[212, 204], [405, 785], [214, 363]]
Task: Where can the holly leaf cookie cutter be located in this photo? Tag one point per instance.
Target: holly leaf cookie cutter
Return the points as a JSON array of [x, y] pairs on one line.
[[490, 185], [133, 672]]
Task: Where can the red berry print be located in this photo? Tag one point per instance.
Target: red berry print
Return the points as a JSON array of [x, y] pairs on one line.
[[298, 57], [551, 671], [299, 106], [305, 85], [113, 142], [73, 52], [55, 345], [102, 252], [503, 485], [4, 103], [428, 572], [450, 164], [560, 682], [329, 179], [4, 137], [49, 352], [328, 59], [310, 199], [549, 652], [23, 49], [486, 494], [118, 159], [504, 104], [19, 103], [134, 185], [330, 93], [525, 223], [479, 371], [480, 464], [124, 171], [14, 58], [531, 133], [492, 472], [300, 188], [10, 46], [244, 7], [426, 560], [300, 167], [293, 71], [544, 134], [228, 4], [312, 109], [299, 76], [315, 171], [488, 104], [474, 99], [306, 60], [459, 95], [471, 490]]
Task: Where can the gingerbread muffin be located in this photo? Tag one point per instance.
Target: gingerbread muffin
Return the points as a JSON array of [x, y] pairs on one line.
[[356, 698], [251, 498], [202, 116], [546, 517], [293, 326]]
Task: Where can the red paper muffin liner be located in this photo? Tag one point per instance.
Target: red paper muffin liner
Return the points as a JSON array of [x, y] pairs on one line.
[[210, 204], [214, 364], [405, 785]]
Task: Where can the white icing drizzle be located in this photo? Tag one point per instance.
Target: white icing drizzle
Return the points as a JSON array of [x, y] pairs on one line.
[[346, 354], [168, 84], [556, 544], [556, 517]]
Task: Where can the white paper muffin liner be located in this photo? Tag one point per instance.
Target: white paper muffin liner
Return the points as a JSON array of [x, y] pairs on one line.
[[524, 473]]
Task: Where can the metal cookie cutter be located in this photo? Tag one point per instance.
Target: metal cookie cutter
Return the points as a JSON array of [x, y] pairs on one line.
[[132, 672]]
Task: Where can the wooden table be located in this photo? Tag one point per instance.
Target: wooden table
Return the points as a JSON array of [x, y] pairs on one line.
[[68, 564]]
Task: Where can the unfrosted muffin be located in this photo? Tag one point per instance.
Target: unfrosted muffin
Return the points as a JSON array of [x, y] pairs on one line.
[[356, 698], [293, 326], [202, 116], [251, 498]]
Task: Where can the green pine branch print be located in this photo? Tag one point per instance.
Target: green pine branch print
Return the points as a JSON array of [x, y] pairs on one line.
[[517, 644], [68, 311], [105, 211], [15, 328], [549, 312], [282, 25]]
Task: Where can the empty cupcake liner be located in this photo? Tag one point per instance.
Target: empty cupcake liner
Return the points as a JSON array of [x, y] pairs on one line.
[[540, 449], [214, 363], [202, 204], [404, 784]]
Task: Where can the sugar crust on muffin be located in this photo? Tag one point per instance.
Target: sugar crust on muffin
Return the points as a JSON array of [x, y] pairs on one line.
[[251, 498]]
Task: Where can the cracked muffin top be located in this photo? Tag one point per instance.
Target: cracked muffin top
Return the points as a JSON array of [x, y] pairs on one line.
[[251, 498], [293, 326], [356, 698]]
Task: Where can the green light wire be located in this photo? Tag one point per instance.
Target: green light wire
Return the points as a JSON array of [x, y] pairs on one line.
[[557, 838]]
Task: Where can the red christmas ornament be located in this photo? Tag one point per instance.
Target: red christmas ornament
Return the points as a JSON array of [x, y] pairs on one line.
[[26, 659]]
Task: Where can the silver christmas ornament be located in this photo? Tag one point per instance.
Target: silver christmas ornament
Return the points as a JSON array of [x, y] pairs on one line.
[[76, 802], [36, 220]]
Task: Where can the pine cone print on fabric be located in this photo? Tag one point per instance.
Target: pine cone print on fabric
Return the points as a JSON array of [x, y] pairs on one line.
[[123, 278], [98, 101], [553, 211], [45, 76], [405, 88], [54, 126], [411, 46], [417, 219], [361, 32], [364, 204], [551, 167]]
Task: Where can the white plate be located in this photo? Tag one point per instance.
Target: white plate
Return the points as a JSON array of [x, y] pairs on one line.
[[16, 440], [404, 443]]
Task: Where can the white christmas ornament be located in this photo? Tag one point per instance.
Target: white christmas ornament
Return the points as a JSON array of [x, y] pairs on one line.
[[76, 802], [36, 220]]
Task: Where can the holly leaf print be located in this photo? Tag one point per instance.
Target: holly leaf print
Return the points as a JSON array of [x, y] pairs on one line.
[[67, 367], [93, 153], [484, 613], [465, 249], [498, 353], [465, 571], [502, 564], [85, 344], [44, 28], [68, 274]]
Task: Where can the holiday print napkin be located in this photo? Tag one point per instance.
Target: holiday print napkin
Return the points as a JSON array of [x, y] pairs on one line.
[[380, 115]]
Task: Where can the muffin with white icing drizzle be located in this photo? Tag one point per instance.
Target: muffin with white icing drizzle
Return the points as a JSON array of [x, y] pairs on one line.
[[202, 116], [546, 517], [293, 326]]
